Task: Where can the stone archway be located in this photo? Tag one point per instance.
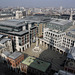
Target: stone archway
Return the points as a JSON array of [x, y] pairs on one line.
[[27, 46], [42, 43], [57, 49], [61, 51], [51, 46]]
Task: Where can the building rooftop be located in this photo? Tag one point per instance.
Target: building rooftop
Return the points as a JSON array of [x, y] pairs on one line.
[[59, 25], [71, 53], [4, 40], [5, 28], [19, 33], [36, 63], [1, 35], [7, 53], [6, 16], [71, 32], [60, 21], [37, 19], [12, 22], [61, 72], [15, 55]]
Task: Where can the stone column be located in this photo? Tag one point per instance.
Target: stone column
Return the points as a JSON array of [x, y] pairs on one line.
[[46, 45], [37, 42]]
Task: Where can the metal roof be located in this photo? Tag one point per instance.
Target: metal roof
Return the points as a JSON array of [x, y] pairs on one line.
[[19, 33], [1, 35], [15, 55], [71, 54], [5, 28], [61, 72], [7, 53], [4, 40], [13, 23], [60, 21]]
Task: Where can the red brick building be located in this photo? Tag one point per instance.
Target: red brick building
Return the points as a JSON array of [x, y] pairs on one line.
[[15, 58]]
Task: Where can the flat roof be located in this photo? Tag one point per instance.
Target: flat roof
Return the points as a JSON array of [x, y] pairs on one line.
[[4, 15], [61, 72], [1, 35], [37, 19], [73, 31], [70, 37], [7, 53], [71, 54], [4, 40], [60, 21], [12, 22], [5, 28], [15, 55], [36, 63], [19, 33]]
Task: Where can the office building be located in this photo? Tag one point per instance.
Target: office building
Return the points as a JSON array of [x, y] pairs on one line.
[[21, 32], [54, 33]]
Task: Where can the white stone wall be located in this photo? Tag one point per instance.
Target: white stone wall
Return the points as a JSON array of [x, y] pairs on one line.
[[4, 56], [24, 28], [17, 42], [54, 38], [68, 42], [29, 26], [5, 18], [19, 14], [25, 47], [18, 47]]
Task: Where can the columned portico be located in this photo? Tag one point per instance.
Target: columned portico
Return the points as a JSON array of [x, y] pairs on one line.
[[60, 49]]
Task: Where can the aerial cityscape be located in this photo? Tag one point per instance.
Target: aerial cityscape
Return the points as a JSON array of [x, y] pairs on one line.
[[37, 37]]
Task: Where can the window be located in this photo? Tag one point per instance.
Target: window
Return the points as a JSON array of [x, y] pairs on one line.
[[53, 34], [58, 35], [49, 33]]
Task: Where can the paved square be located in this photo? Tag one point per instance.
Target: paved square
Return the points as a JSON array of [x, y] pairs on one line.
[[49, 55]]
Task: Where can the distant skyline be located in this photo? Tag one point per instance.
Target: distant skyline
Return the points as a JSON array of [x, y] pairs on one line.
[[38, 3]]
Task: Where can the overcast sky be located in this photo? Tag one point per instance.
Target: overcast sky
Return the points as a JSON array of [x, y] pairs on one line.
[[37, 3]]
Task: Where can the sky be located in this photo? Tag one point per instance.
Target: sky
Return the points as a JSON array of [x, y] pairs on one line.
[[37, 3]]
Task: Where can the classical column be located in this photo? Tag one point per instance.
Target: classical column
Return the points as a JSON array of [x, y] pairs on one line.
[[37, 42]]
